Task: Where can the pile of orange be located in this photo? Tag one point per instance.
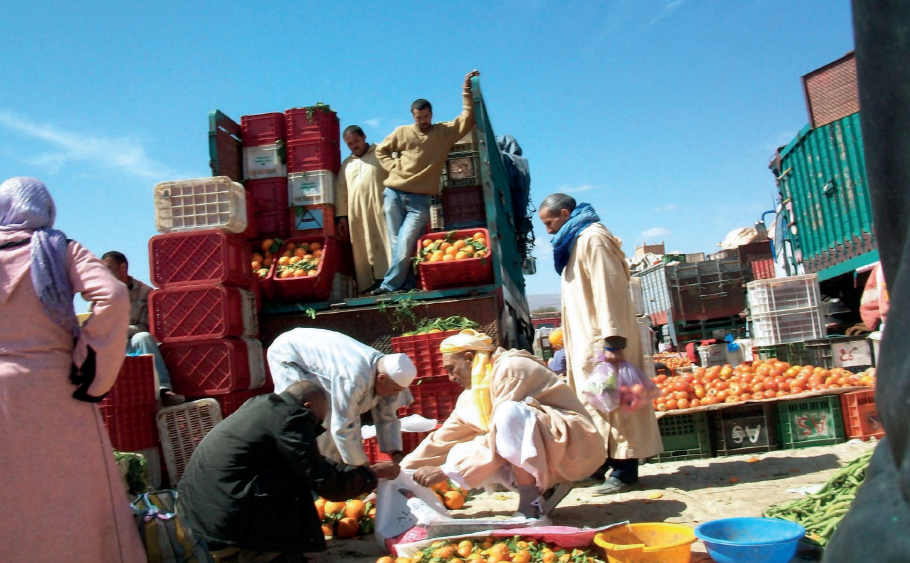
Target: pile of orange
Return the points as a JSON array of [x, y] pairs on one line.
[[672, 361], [262, 261], [450, 494], [488, 550], [451, 248], [751, 381], [345, 519], [299, 261]]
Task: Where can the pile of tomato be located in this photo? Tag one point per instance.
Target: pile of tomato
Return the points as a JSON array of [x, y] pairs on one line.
[[751, 381]]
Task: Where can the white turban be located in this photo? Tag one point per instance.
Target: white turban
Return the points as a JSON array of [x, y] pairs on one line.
[[399, 368]]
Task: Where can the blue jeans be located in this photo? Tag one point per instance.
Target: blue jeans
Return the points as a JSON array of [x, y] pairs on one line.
[[144, 343], [407, 216]]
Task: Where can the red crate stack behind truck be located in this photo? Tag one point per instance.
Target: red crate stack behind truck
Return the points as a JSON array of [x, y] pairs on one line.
[[265, 172]]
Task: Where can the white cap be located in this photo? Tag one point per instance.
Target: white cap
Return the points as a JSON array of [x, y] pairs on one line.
[[399, 368]]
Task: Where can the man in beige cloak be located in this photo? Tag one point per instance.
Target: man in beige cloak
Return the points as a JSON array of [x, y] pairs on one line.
[[516, 424], [598, 316], [359, 212]]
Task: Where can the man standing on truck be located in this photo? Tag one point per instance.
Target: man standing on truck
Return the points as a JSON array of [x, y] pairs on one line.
[[357, 378], [358, 207], [598, 316], [414, 176], [139, 340]]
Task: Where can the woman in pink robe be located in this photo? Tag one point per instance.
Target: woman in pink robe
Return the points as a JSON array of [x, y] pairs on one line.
[[61, 498]]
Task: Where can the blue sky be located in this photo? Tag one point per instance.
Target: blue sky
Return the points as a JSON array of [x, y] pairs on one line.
[[662, 114]]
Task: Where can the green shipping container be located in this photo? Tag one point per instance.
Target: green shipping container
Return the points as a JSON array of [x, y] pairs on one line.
[[821, 176]]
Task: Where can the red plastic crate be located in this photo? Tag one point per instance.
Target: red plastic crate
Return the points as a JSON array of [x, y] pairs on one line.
[[250, 232], [204, 368], [270, 194], [463, 207], [262, 129], [423, 349], [409, 443], [230, 402], [310, 155], [309, 220], [313, 288], [135, 383], [201, 313], [456, 273], [861, 415], [273, 224], [263, 287], [304, 124], [131, 427], [200, 258], [763, 269], [434, 397]]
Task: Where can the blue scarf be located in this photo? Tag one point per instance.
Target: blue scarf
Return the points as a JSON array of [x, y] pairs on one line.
[[564, 239]]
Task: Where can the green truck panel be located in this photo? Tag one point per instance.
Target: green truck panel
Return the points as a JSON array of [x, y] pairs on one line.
[[821, 176]]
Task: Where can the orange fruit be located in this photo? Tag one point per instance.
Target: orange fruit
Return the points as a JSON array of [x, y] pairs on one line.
[[355, 509], [440, 487], [385, 559], [257, 257], [372, 513], [314, 246], [446, 552], [267, 262], [347, 528], [320, 508], [267, 244], [327, 530], [300, 273], [435, 258], [332, 507], [256, 264], [448, 258], [451, 250], [299, 252], [427, 242], [465, 550], [307, 256], [403, 560], [311, 273], [459, 244], [291, 247], [317, 253], [286, 253], [293, 259], [444, 246], [453, 500], [284, 261], [481, 241], [461, 255], [477, 235], [262, 272]]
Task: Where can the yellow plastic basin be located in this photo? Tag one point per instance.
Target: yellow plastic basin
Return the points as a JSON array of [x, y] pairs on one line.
[[647, 543]]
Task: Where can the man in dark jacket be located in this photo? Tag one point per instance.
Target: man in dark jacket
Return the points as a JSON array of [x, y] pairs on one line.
[[248, 487]]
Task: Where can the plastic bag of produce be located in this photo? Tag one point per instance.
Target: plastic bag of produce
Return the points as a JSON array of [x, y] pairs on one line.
[[404, 511], [625, 388]]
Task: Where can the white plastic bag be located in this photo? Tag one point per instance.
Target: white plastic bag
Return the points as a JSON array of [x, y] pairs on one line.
[[402, 505]]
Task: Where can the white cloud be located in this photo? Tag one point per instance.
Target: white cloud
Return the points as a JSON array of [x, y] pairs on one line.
[[374, 122], [123, 154], [665, 208], [567, 189], [667, 10], [654, 233]]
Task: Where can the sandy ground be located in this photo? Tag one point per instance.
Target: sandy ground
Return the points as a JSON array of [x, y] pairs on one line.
[[691, 492]]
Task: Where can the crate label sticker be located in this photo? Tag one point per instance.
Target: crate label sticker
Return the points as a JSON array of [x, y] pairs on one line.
[[741, 434], [305, 219], [851, 354], [811, 425], [262, 162]]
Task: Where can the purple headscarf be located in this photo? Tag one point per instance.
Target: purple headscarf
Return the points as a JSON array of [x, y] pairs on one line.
[[25, 204]]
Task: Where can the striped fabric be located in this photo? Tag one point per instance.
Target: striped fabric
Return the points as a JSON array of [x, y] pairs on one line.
[[166, 538]]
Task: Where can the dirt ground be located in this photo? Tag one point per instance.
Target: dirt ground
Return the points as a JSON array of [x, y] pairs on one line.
[[692, 492]]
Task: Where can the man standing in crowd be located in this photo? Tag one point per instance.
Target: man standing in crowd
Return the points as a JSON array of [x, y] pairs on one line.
[[598, 317], [139, 340], [358, 207], [414, 176], [247, 490], [357, 378]]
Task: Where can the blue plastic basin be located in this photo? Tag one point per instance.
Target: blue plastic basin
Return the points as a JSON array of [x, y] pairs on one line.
[[750, 540]]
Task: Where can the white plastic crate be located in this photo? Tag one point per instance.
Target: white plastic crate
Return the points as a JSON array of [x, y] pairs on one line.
[[311, 188], [782, 328], [437, 219], [257, 362], [647, 339], [266, 161], [250, 314], [181, 429], [203, 203], [638, 297], [713, 355], [777, 295]]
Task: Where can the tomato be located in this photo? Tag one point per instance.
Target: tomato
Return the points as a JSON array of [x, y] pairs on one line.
[[726, 372], [731, 399], [782, 393], [770, 394], [695, 403], [672, 405], [758, 396], [758, 388], [722, 395], [682, 386], [700, 373], [772, 385], [700, 392], [795, 390], [662, 407], [735, 388], [683, 403]]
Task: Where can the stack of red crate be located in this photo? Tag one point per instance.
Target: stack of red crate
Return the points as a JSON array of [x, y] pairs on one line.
[[434, 394], [267, 185], [313, 147], [129, 408], [205, 316]]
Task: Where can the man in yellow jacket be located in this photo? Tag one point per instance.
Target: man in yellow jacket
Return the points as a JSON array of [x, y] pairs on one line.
[[414, 176], [516, 424]]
